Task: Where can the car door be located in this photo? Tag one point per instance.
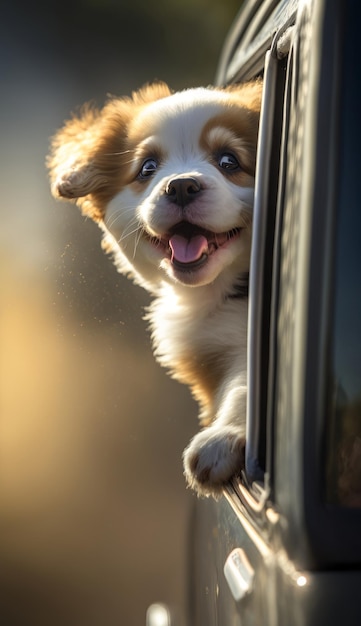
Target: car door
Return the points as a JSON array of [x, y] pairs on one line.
[[283, 544]]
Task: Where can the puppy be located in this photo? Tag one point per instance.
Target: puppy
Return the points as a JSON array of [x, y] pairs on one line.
[[169, 178]]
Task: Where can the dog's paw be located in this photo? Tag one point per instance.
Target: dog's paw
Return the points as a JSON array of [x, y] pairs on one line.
[[213, 456]]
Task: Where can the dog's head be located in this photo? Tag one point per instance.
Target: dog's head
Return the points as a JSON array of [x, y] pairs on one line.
[[169, 176]]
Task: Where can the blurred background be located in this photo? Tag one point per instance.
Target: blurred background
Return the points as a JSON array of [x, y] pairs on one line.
[[93, 506]]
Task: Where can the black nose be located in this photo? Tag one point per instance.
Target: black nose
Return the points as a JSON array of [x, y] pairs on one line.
[[183, 190]]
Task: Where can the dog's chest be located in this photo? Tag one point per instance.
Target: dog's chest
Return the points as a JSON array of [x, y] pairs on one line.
[[196, 342]]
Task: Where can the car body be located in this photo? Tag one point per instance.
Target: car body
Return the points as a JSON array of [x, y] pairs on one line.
[[283, 545]]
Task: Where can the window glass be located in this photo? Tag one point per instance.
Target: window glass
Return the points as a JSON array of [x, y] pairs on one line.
[[344, 427]]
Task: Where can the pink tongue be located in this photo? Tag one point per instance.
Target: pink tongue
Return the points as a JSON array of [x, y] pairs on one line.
[[187, 250]]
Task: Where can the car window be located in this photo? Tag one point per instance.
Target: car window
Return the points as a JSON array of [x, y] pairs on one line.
[[304, 364], [343, 417]]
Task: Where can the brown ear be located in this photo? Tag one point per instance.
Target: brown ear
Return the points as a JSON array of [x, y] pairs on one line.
[[89, 154], [249, 94], [151, 92], [70, 154], [78, 170]]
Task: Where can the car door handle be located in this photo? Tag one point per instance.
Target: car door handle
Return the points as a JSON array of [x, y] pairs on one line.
[[239, 574]]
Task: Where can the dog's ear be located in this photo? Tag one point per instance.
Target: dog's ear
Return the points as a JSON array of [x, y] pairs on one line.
[[86, 156], [249, 95], [151, 92], [89, 155]]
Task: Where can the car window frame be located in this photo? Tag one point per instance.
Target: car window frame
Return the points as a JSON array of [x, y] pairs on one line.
[[308, 534], [317, 535]]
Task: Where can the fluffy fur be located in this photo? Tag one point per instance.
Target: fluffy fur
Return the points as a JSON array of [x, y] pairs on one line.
[[169, 178]]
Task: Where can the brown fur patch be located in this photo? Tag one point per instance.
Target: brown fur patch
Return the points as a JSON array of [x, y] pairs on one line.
[[239, 136], [150, 93], [202, 374], [248, 95], [90, 155]]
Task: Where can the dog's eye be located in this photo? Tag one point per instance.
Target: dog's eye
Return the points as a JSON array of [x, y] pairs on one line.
[[228, 162], [148, 168]]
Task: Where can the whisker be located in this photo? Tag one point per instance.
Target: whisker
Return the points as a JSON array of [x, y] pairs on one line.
[[118, 153], [137, 239], [130, 161], [125, 235], [121, 213], [128, 233]]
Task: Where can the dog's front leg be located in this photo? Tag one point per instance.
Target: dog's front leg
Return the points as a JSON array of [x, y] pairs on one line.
[[217, 453]]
